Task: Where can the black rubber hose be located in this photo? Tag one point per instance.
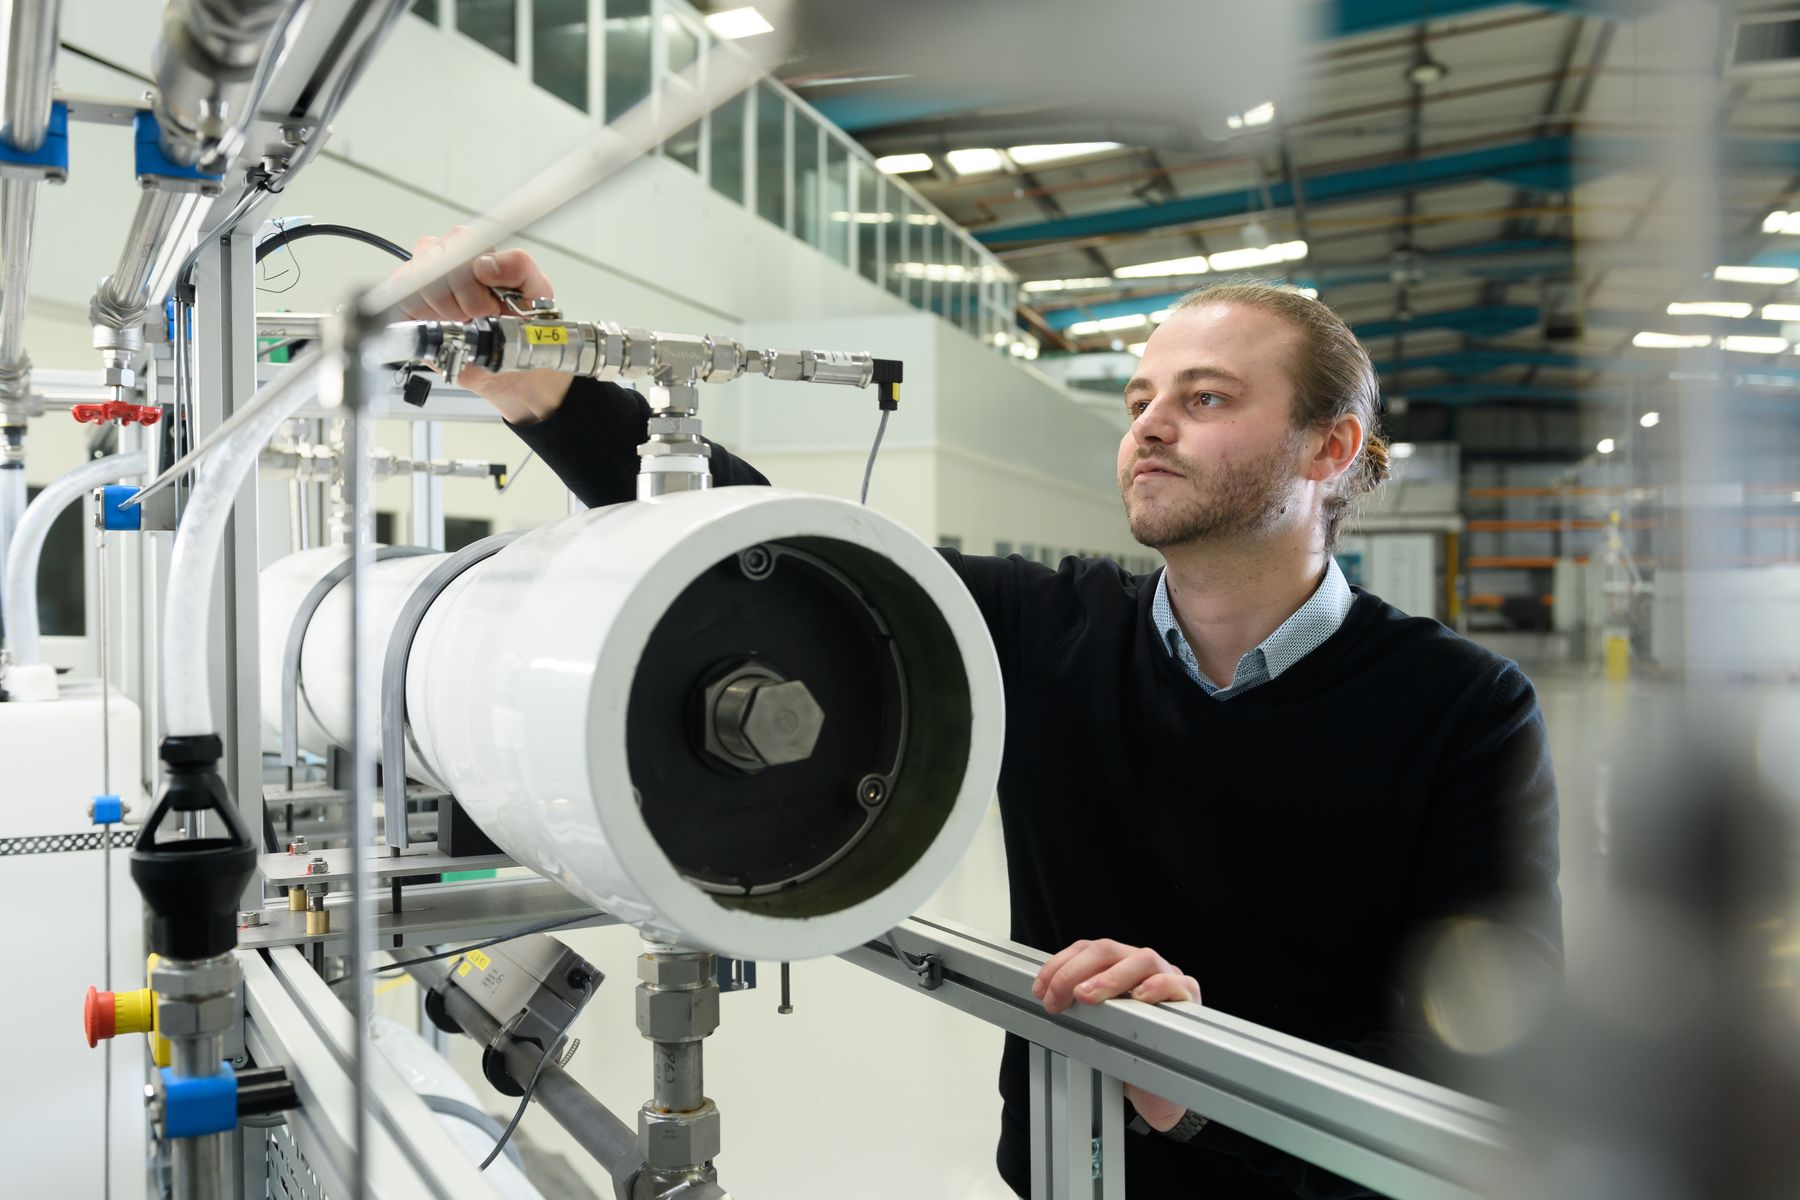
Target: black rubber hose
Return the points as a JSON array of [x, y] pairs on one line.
[[283, 236]]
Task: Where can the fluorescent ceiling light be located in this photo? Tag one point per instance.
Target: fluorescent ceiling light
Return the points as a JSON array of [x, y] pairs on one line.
[[1755, 345], [1160, 315], [1782, 222], [1064, 285], [1195, 265], [1742, 274], [921, 218], [1401, 450], [1108, 324], [1650, 420], [903, 164], [1671, 341], [1250, 118], [1605, 446], [737, 23], [880, 218], [1137, 348], [1257, 256], [1031, 156], [974, 162], [1709, 308], [1781, 312]]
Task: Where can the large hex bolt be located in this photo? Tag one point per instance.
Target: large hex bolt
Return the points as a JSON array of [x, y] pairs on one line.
[[757, 719]]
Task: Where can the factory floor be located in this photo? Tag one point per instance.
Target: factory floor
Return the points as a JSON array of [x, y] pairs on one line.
[[872, 1083]]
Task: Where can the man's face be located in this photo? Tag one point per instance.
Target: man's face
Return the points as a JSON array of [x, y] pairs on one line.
[[1212, 453]]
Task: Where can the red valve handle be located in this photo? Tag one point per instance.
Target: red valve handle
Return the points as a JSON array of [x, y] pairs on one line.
[[117, 410]]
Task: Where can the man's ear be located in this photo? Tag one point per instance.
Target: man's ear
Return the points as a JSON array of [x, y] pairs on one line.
[[1338, 447]]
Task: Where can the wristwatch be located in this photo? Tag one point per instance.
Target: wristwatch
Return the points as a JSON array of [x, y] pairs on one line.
[[1184, 1130]]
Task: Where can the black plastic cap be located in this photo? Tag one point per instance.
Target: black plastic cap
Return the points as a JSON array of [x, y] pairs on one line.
[[417, 389], [193, 886]]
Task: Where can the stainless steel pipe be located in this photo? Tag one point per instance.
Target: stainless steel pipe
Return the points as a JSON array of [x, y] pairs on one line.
[[30, 70], [612, 1143], [209, 68], [122, 297], [18, 213]]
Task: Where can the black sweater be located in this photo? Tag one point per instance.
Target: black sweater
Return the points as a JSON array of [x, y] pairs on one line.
[[1286, 847]]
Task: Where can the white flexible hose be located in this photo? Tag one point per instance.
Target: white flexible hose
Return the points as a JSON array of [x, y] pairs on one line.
[[12, 511], [187, 616], [20, 595]]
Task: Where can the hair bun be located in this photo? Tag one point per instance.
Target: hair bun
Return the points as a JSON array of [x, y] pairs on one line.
[[1376, 467]]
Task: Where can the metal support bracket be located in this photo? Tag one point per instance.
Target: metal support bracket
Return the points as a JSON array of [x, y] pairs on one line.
[[1077, 1130], [395, 731]]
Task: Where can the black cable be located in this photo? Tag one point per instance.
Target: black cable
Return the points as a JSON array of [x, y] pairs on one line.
[[531, 1084], [283, 235], [541, 927]]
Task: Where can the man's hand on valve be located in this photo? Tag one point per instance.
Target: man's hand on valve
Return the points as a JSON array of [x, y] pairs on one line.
[[469, 293], [1091, 972]]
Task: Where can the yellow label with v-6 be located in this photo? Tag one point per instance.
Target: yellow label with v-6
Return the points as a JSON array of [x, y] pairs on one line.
[[546, 335]]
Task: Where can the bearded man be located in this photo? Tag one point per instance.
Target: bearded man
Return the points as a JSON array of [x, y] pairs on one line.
[[1279, 782]]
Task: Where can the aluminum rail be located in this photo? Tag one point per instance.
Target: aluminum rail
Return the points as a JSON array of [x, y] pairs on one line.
[[1399, 1135], [18, 215], [294, 1020], [595, 1128], [30, 70]]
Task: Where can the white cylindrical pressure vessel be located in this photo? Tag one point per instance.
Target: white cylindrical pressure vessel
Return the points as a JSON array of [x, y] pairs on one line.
[[753, 721]]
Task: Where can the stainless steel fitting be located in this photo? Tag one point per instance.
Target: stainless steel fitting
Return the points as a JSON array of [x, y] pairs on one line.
[[673, 1141]]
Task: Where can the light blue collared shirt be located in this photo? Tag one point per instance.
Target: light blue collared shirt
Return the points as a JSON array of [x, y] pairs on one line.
[[1298, 636]]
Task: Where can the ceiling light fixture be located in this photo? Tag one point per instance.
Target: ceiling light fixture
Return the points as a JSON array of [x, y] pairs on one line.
[[1781, 221], [1606, 446], [1251, 118], [1257, 256], [1401, 450], [1781, 312], [1193, 265], [1650, 420], [1107, 324], [1064, 285], [1710, 308], [903, 164], [1424, 70], [1031, 156], [977, 161], [1755, 345], [1746, 274], [1651, 340], [736, 23]]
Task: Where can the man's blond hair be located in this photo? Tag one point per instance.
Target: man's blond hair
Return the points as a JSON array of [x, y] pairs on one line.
[[1332, 378]]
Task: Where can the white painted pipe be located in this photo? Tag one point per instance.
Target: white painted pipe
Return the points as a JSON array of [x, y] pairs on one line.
[[27, 676], [520, 693], [187, 625]]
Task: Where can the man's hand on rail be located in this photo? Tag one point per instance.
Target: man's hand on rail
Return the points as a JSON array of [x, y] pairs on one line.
[[521, 398], [1090, 972]]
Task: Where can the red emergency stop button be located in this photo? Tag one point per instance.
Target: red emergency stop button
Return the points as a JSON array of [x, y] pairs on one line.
[[98, 1016]]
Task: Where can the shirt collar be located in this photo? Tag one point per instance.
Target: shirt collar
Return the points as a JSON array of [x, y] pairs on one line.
[[1302, 633]]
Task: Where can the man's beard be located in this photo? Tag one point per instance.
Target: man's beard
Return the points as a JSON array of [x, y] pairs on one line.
[[1247, 499]]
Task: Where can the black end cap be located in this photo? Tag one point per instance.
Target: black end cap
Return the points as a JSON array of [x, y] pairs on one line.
[[192, 886]]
